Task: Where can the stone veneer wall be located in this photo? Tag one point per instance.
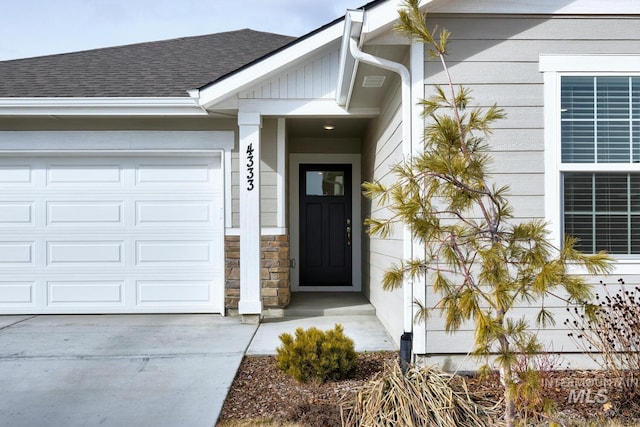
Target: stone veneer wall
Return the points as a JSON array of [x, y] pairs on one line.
[[275, 289]]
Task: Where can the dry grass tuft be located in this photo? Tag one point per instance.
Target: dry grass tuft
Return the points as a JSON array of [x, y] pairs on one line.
[[422, 397]]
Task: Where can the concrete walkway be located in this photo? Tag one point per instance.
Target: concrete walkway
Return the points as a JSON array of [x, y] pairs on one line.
[[150, 370]]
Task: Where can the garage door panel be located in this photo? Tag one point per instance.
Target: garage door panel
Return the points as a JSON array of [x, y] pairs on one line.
[[84, 174], [82, 252], [173, 174], [84, 213], [17, 293], [16, 253], [194, 252], [83, 293], [185, 292], [12, 174], [16, 213], [113, 234], [175, 212]]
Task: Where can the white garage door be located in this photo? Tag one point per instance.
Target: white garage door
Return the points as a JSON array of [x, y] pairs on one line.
[[111, 234]]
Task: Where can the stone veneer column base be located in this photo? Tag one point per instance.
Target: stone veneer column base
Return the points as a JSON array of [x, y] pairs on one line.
[[274, 280]]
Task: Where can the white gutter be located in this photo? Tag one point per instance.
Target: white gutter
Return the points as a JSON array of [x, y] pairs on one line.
[[348, 65], [407, 144], [171, 106]]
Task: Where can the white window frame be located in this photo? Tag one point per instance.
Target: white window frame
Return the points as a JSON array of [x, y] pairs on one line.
[[554, 67]]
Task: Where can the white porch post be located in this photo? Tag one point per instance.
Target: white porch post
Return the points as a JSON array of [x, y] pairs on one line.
[[250, 305]]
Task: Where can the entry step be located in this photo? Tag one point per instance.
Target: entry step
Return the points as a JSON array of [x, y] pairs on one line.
[[307, 304]]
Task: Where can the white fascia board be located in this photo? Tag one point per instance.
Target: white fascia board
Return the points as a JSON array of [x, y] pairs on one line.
[[225, 88], [383, 16], [551, 7], [348, 65], [176, 106]]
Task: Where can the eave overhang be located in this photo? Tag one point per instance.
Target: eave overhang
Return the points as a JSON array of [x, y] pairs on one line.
[[361, 26], [178, 106]]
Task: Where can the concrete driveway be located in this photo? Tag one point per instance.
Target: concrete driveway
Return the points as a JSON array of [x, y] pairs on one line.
[[118, 370]]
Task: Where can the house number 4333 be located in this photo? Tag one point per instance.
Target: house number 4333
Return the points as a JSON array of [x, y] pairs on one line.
[[250, 175]]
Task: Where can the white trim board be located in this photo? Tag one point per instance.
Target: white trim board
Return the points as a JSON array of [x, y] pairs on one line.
[[281, 155], [177, 106], [303, 108], [294, 226], [127, 141], [265, 231]]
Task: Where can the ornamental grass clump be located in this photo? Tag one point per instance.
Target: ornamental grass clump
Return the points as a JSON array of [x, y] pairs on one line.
[[424, 396], [317, 355]]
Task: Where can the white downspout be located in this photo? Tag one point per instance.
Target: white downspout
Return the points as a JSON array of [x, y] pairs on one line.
[[407, 148]]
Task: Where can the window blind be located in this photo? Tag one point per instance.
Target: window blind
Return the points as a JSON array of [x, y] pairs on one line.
[[603, 211], [600, 119]]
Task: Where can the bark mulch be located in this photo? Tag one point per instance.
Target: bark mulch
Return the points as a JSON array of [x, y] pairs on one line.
[[261, 391]]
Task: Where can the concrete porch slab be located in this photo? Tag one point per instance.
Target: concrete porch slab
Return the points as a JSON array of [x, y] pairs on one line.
[[366, 331], [323, 310]]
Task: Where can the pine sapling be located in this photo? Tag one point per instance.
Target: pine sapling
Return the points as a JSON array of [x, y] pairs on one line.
[[480, 262]]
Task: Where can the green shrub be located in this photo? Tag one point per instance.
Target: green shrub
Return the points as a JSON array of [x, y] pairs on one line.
[[317, 355]]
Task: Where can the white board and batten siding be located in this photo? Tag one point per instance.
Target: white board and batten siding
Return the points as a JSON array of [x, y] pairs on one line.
[[315, 79], [113, 232]]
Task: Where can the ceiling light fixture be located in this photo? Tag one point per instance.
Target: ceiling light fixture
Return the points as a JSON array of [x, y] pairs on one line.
[[328, 126]]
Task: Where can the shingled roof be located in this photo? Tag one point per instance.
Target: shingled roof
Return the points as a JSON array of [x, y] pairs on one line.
[[165, 68]]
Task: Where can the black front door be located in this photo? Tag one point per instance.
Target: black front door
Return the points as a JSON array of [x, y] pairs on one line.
[[325, 225]]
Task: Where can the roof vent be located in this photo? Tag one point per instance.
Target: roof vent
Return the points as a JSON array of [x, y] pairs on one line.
[[373, 81]]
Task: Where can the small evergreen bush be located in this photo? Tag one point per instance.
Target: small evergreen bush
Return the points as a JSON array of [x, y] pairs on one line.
[[314, 354]]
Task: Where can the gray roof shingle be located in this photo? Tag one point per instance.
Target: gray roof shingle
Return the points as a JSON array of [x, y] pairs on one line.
[[165, 68]]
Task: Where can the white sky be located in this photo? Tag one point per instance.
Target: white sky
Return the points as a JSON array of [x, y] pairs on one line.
[[42, 27]]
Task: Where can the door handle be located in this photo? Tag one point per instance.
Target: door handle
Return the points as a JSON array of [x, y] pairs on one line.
[[348, 236]]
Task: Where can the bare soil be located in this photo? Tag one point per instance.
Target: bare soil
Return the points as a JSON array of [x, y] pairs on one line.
[[260, 391]]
